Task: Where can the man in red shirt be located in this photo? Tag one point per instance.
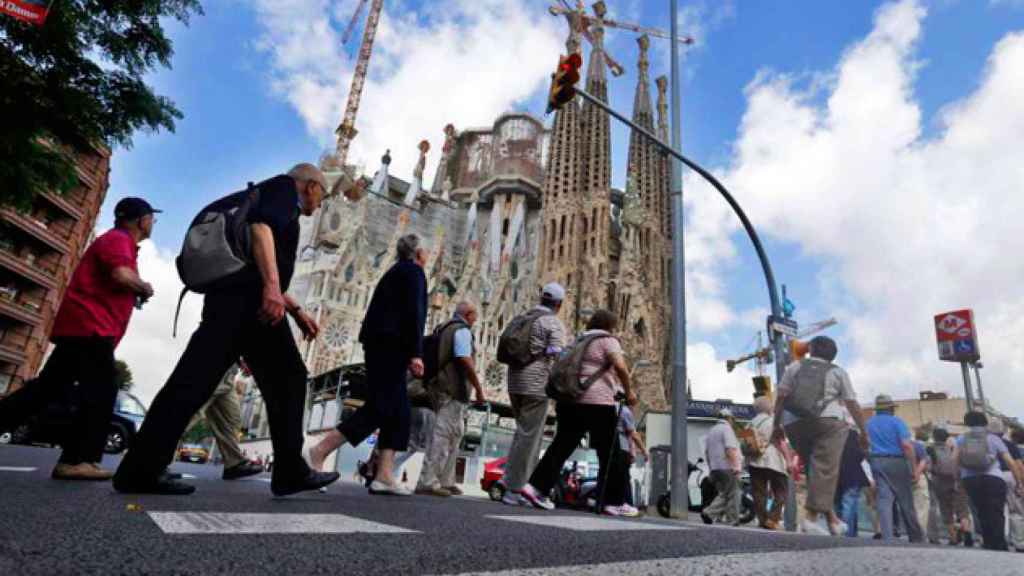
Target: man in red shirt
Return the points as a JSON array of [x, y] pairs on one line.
[[91, 321]]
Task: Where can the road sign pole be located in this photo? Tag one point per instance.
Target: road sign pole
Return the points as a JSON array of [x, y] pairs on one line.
[[969, 394], [981, 392]]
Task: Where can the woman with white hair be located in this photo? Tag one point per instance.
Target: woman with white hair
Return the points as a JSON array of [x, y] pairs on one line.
[[768, 470]]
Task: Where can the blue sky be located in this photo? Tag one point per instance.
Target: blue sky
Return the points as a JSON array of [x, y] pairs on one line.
[[262, 84]]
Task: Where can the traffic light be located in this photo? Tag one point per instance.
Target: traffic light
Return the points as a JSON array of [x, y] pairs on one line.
[[798, 349], [762, 386], [563, 81]]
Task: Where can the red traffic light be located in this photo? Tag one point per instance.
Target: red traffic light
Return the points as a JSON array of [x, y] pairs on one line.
[[563, 81]]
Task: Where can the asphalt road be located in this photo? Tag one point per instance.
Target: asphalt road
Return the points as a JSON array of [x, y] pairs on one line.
[[59, 527]]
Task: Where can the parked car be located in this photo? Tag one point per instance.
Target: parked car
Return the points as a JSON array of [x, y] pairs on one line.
[[193, 453], [50, 426], [491, 482]]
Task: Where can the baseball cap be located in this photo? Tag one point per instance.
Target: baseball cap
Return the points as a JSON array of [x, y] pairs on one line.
[[131, 208], [553, 291]]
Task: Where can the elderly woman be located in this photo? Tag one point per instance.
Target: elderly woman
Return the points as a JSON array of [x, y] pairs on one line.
[[768, 471], [592, 413], [392, 338]]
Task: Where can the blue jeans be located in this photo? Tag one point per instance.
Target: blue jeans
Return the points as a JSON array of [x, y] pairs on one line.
[[849, 505]]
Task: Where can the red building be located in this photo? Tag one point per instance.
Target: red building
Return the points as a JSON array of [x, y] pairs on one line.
[[39, 250]]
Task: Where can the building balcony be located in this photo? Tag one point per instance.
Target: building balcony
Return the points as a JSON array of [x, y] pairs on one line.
[[20, 312], [35, 229], [11, 355], [63, 204], [26, 270], [86, 178]]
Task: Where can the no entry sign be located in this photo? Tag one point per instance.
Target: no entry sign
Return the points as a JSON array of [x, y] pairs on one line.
[[957, 336]]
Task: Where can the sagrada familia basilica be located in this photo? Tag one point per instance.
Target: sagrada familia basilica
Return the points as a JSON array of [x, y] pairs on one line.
[[511, 207]]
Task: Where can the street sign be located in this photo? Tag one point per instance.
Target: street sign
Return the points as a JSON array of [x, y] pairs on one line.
[[31, 11], [786, 326], [957, 336]]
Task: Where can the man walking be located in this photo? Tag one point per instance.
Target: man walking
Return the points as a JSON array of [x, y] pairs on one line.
[[224, 417], [243, 319], [814, 397], [90, 323], [526, 390], [894, 466], [768, 471], [392, 338], [952, 499], [722, 453], [456, 373]]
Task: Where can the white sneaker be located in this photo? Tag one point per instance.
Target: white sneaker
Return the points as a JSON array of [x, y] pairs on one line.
[[814, 528], [378, 487], [613, 511], [513, 499], [531, 495], [839, 529], [629, 511]]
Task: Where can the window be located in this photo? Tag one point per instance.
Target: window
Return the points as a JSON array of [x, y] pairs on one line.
[[129, 405], [561, 229]]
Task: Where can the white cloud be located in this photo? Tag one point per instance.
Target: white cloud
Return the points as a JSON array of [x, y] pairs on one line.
[[459, 61], [908, 225], [709, 379], [147, 347]]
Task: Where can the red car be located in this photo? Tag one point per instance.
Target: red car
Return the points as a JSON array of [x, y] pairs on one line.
[[491, 483]]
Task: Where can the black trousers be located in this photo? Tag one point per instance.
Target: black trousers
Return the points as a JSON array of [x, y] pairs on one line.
[[988, 495], [229, 329], [88, 361], [387, 403], [575, 420]]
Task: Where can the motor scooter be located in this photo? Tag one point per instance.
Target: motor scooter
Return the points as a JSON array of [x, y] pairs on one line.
[[708, 493]]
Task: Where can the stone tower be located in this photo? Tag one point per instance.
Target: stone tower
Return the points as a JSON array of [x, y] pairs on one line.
[[593, 231], [559, 253]]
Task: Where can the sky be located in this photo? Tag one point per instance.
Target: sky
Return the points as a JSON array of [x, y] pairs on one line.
[[874, 145]]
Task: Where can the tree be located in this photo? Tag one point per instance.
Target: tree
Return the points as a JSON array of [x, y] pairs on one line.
[[123, 375], [77, 81]]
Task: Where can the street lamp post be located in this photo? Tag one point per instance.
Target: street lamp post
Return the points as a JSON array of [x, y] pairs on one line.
[[680, 400]]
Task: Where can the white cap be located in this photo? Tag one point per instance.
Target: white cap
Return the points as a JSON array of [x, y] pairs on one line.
[[553, 291]]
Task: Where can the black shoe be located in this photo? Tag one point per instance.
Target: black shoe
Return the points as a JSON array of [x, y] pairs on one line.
[[707, 519], [241, 470], [171, 475], [313, 481], [161, 485]]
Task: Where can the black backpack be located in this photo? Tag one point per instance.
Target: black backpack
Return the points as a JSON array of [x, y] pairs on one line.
[[807, 397], [432, 363]]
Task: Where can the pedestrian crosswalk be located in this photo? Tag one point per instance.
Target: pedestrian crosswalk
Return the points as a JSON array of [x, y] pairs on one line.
[[246, 523], [584, 523]]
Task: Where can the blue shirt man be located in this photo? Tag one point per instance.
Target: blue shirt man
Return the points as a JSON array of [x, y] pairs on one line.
[[893, 466], [887, 433]]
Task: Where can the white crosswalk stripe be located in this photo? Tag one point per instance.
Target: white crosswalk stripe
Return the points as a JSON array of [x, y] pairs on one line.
[[583, 523], [239, 523], [17, 469]]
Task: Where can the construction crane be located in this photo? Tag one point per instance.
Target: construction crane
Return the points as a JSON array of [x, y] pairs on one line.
[[346, 131], [601, 9], [764, 355]]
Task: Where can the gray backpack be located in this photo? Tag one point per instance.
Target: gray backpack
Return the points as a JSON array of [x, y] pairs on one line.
[[564, 381], [943, 465], [974, 453], [807, 398], [514, 343], [217, 246]]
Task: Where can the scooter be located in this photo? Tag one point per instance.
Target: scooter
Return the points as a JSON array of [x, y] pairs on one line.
[[708, 493]]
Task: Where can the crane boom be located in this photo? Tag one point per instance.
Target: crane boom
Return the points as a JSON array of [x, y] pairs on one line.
[[352, 23], [609, 23], [346, 131]]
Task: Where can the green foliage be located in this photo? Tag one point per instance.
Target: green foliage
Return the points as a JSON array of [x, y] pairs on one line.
[[197, 433], [123, 375], [78, 81]]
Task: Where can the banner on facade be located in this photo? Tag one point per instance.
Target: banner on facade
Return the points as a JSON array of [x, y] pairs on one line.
[[31, 11]]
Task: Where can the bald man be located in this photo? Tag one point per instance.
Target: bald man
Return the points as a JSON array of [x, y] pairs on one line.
[[243, 318], [456, 374]]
